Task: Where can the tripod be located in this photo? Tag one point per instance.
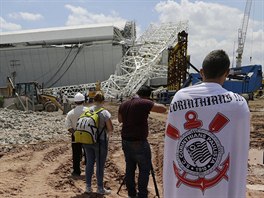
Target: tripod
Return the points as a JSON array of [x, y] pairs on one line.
[[154, 181]]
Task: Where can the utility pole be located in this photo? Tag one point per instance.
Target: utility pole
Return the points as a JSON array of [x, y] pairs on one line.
[[13, 64]]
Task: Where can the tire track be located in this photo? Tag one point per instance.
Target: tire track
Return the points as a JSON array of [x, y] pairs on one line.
[[31, 169], [43, 165]]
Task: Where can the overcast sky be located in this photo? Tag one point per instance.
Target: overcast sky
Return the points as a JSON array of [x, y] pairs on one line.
[[213, 24]]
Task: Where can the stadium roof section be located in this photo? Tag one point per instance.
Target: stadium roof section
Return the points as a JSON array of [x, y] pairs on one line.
[[61, 36]]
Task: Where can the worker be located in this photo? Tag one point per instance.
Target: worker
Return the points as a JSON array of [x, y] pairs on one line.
[[85, 97], [70, 122], [121, 98], [65, 103], [59, 98], [133, 114], [98, 152], [207, 137]]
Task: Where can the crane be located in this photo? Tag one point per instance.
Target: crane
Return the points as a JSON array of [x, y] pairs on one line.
[[242, 32]]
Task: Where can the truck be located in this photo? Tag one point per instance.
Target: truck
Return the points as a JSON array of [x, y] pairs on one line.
[[259, 92], [244, 80], [28, 96]]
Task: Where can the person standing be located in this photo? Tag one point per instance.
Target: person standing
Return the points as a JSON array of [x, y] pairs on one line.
[[65, 103], [207, 137], [134, 116], [70, 122], [60, 97], [98, 152]]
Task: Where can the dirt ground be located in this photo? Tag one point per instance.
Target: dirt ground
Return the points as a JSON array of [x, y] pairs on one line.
[[43, 170]]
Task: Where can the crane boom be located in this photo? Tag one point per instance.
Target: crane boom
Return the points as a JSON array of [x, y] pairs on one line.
[[242, 32]]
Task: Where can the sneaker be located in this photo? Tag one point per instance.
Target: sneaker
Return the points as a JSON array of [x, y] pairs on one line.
[[103, 191], [88, 190]]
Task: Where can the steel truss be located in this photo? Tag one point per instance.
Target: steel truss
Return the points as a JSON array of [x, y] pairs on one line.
[[139, 64]]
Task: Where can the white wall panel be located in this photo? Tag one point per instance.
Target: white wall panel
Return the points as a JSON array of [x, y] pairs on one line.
[[45, 65], [108, 57], [4, 68], [98, 64], [25, 63]]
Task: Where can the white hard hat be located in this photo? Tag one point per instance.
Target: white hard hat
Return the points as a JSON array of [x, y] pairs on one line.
[[79, 97]]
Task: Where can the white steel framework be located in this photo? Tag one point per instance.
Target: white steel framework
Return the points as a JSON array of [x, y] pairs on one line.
[[139, 64]]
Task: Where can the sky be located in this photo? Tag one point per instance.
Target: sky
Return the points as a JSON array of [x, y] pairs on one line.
[[213, 24]]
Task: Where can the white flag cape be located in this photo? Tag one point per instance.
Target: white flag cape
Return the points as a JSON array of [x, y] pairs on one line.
[[206, 144]]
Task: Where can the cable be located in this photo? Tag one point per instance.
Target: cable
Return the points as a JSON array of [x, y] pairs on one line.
[[52, 69], [66, 58], [79, 49]]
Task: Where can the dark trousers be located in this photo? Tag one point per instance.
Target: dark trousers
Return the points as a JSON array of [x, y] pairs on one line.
[[76, 156], [137, 153], [65, 106]]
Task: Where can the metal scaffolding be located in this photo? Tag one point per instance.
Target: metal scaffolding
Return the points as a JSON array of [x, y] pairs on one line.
[[139, 64], [177, 64]]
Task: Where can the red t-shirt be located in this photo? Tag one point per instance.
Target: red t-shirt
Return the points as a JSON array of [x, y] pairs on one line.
[[134, 114]]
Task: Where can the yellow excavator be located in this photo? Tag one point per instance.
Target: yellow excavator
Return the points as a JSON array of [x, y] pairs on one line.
[[28, 96], [92, 91]]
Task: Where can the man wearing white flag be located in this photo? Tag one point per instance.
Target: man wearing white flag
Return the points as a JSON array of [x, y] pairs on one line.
[[207, 137]]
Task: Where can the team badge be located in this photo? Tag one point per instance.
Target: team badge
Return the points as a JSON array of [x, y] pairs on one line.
[[199, 152]]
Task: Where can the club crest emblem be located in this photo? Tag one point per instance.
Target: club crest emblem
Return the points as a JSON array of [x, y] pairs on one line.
[[199, 152]]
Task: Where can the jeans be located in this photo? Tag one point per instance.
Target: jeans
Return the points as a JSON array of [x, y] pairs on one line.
[[95, 153], [137, 153]]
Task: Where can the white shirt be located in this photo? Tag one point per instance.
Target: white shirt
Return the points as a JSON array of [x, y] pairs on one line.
[[206, 144], [73, 115], [64, 99]]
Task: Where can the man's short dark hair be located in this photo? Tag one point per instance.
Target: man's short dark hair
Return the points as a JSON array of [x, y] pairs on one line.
[[215, 64], [144, 91]]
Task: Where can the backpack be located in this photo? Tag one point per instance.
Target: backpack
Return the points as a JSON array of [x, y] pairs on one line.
[[87, 127]]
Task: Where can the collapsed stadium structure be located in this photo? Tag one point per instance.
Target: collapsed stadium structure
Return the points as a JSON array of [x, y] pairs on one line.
[[72, 60]]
